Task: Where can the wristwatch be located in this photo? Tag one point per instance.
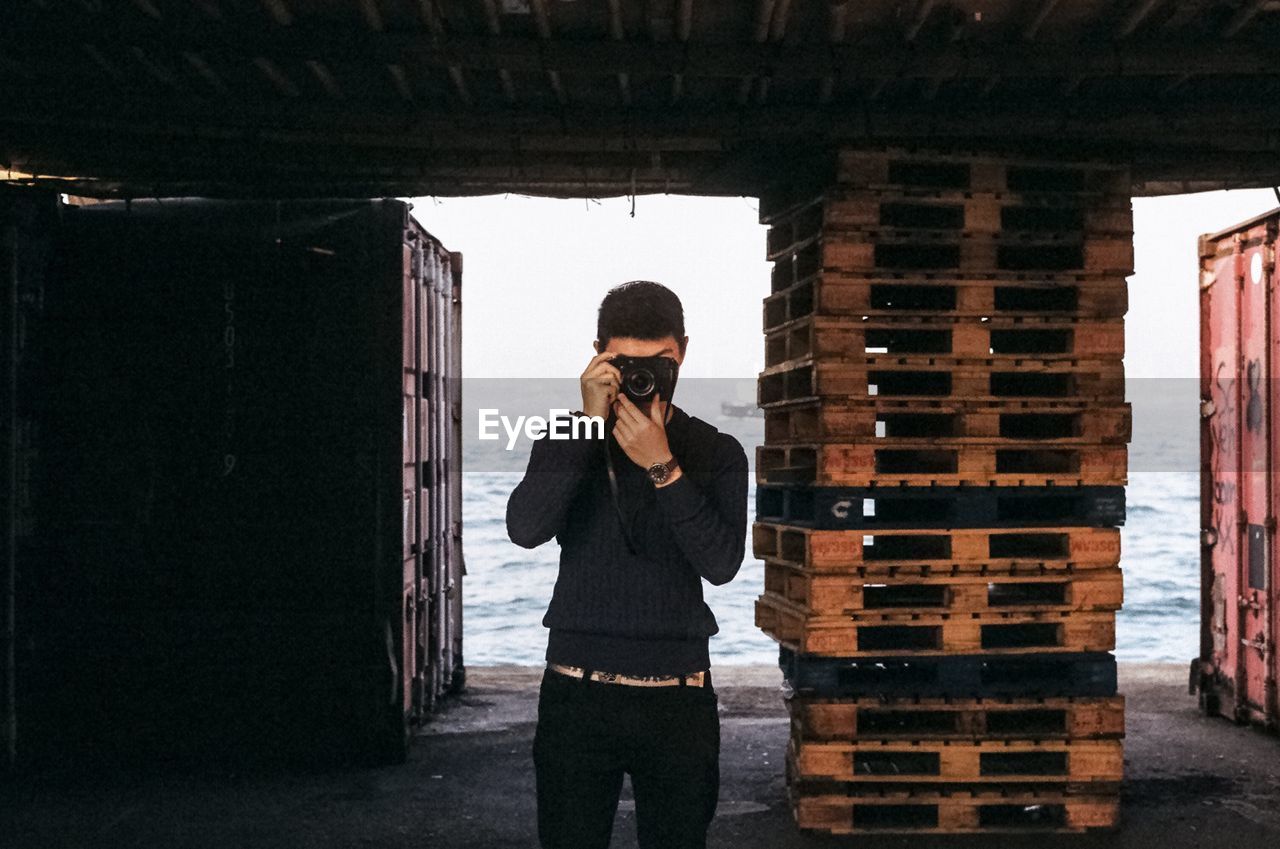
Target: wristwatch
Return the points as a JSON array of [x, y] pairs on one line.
[[659, 472]]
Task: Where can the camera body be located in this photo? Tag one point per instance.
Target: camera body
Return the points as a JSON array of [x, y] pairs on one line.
[[643, 377]]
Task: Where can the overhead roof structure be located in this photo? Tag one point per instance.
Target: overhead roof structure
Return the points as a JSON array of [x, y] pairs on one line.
[[606, 97]]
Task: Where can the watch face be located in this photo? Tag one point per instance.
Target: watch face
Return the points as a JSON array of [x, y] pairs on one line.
[[658, 472]]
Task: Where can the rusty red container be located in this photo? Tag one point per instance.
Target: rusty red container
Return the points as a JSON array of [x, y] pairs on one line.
[[1237, 670]]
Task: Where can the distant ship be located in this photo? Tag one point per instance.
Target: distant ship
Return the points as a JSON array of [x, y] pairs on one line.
[[740, 410]]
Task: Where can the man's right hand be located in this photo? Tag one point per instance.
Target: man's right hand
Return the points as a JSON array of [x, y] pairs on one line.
[[600, 382]]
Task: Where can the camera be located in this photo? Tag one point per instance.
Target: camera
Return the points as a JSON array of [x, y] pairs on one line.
[[644, 376]]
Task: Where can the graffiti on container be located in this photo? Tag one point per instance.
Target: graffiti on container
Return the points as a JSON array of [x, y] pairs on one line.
[[1222, 433], [229, 366], [1253, 409]]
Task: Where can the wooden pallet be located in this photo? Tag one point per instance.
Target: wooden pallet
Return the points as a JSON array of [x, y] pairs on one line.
[[967, 761], [955, 812], [1043, 675], [918, 507], [998, 338], [823, 594], [905, 168], [888, 251], [934, 379], [947, 423], [825, 719], [840, 207], [802, 289], [923, 463], [890, 635], [911, 554]]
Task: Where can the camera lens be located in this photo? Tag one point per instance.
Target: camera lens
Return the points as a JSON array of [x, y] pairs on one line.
[[640, 383]]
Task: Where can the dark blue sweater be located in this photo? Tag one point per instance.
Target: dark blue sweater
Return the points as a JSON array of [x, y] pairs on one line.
[[643, 613]]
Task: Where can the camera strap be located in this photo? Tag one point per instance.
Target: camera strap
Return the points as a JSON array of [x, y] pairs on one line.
[[613, 490], [613, 481]]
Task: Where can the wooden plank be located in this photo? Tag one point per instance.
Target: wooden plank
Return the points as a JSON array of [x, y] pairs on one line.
[[894, 635], [802, 288], [957, 170], [877, 509], [904, 251], [1008, 337], [923, 463], [962, 761], [839, 209], [823, 719], [885, 420], [942, 378], [823, 593], [943, 551], [1038, 811]]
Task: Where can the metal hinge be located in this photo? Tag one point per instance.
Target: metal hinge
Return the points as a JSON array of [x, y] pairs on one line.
[[1207, 408], [1208, 537]]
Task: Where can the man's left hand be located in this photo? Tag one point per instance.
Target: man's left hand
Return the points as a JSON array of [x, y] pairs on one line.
[[642, 437]]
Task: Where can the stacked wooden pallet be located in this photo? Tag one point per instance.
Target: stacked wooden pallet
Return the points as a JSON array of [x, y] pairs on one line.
[[940, 487]]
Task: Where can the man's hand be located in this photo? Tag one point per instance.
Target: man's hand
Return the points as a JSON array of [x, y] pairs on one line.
[[600, 381], [643, 438]]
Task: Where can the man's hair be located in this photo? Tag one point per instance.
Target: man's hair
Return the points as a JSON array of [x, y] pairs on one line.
[[640, 309]]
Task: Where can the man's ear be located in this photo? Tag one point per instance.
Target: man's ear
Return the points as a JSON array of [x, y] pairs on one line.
[[596, 344], [684, 344]]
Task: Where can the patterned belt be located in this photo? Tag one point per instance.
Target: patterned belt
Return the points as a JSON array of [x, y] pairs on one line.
[[693, 679]]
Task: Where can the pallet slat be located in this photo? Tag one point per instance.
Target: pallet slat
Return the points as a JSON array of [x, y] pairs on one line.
[[842, 208], [967, 761], [937, 378], [801, 288], [954, 813], [890, 635], [1039, 337], [836, 594], [887, 251], [946, 423], [918, 507], [924, 463], [955, 676], [820, 719], [911, 554]]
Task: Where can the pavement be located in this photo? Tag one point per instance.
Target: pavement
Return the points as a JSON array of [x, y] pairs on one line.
[[1191, 781]]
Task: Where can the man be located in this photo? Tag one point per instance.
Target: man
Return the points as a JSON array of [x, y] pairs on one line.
[[628, 685]]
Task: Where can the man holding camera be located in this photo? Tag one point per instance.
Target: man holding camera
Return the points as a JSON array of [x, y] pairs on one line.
[[643, 515]]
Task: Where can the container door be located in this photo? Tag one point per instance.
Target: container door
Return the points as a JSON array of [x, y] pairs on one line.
[[1220, 367], [1256, 538]]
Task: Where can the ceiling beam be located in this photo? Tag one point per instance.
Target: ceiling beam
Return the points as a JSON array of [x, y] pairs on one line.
[[1136, 16], [1243, 16]]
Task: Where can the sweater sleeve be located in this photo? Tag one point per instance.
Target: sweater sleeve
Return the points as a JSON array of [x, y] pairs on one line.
[[539, 505], [710, 524]]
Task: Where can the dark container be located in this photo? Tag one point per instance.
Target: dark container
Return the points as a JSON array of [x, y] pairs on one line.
[[1237, 670], [244, 537]]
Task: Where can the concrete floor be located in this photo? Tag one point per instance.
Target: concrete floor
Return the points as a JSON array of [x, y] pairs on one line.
[[1191, 781]]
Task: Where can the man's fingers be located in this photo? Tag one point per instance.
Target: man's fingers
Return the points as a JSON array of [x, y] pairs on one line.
[[656, 413], [626, 407]]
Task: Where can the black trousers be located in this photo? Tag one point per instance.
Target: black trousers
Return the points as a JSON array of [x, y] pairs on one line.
[[589, 733]]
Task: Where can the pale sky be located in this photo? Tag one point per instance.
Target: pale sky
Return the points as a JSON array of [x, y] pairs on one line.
[[535, 270]]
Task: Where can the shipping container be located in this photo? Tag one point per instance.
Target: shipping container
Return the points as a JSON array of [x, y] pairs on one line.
[[1239, 334], [233, 545]]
